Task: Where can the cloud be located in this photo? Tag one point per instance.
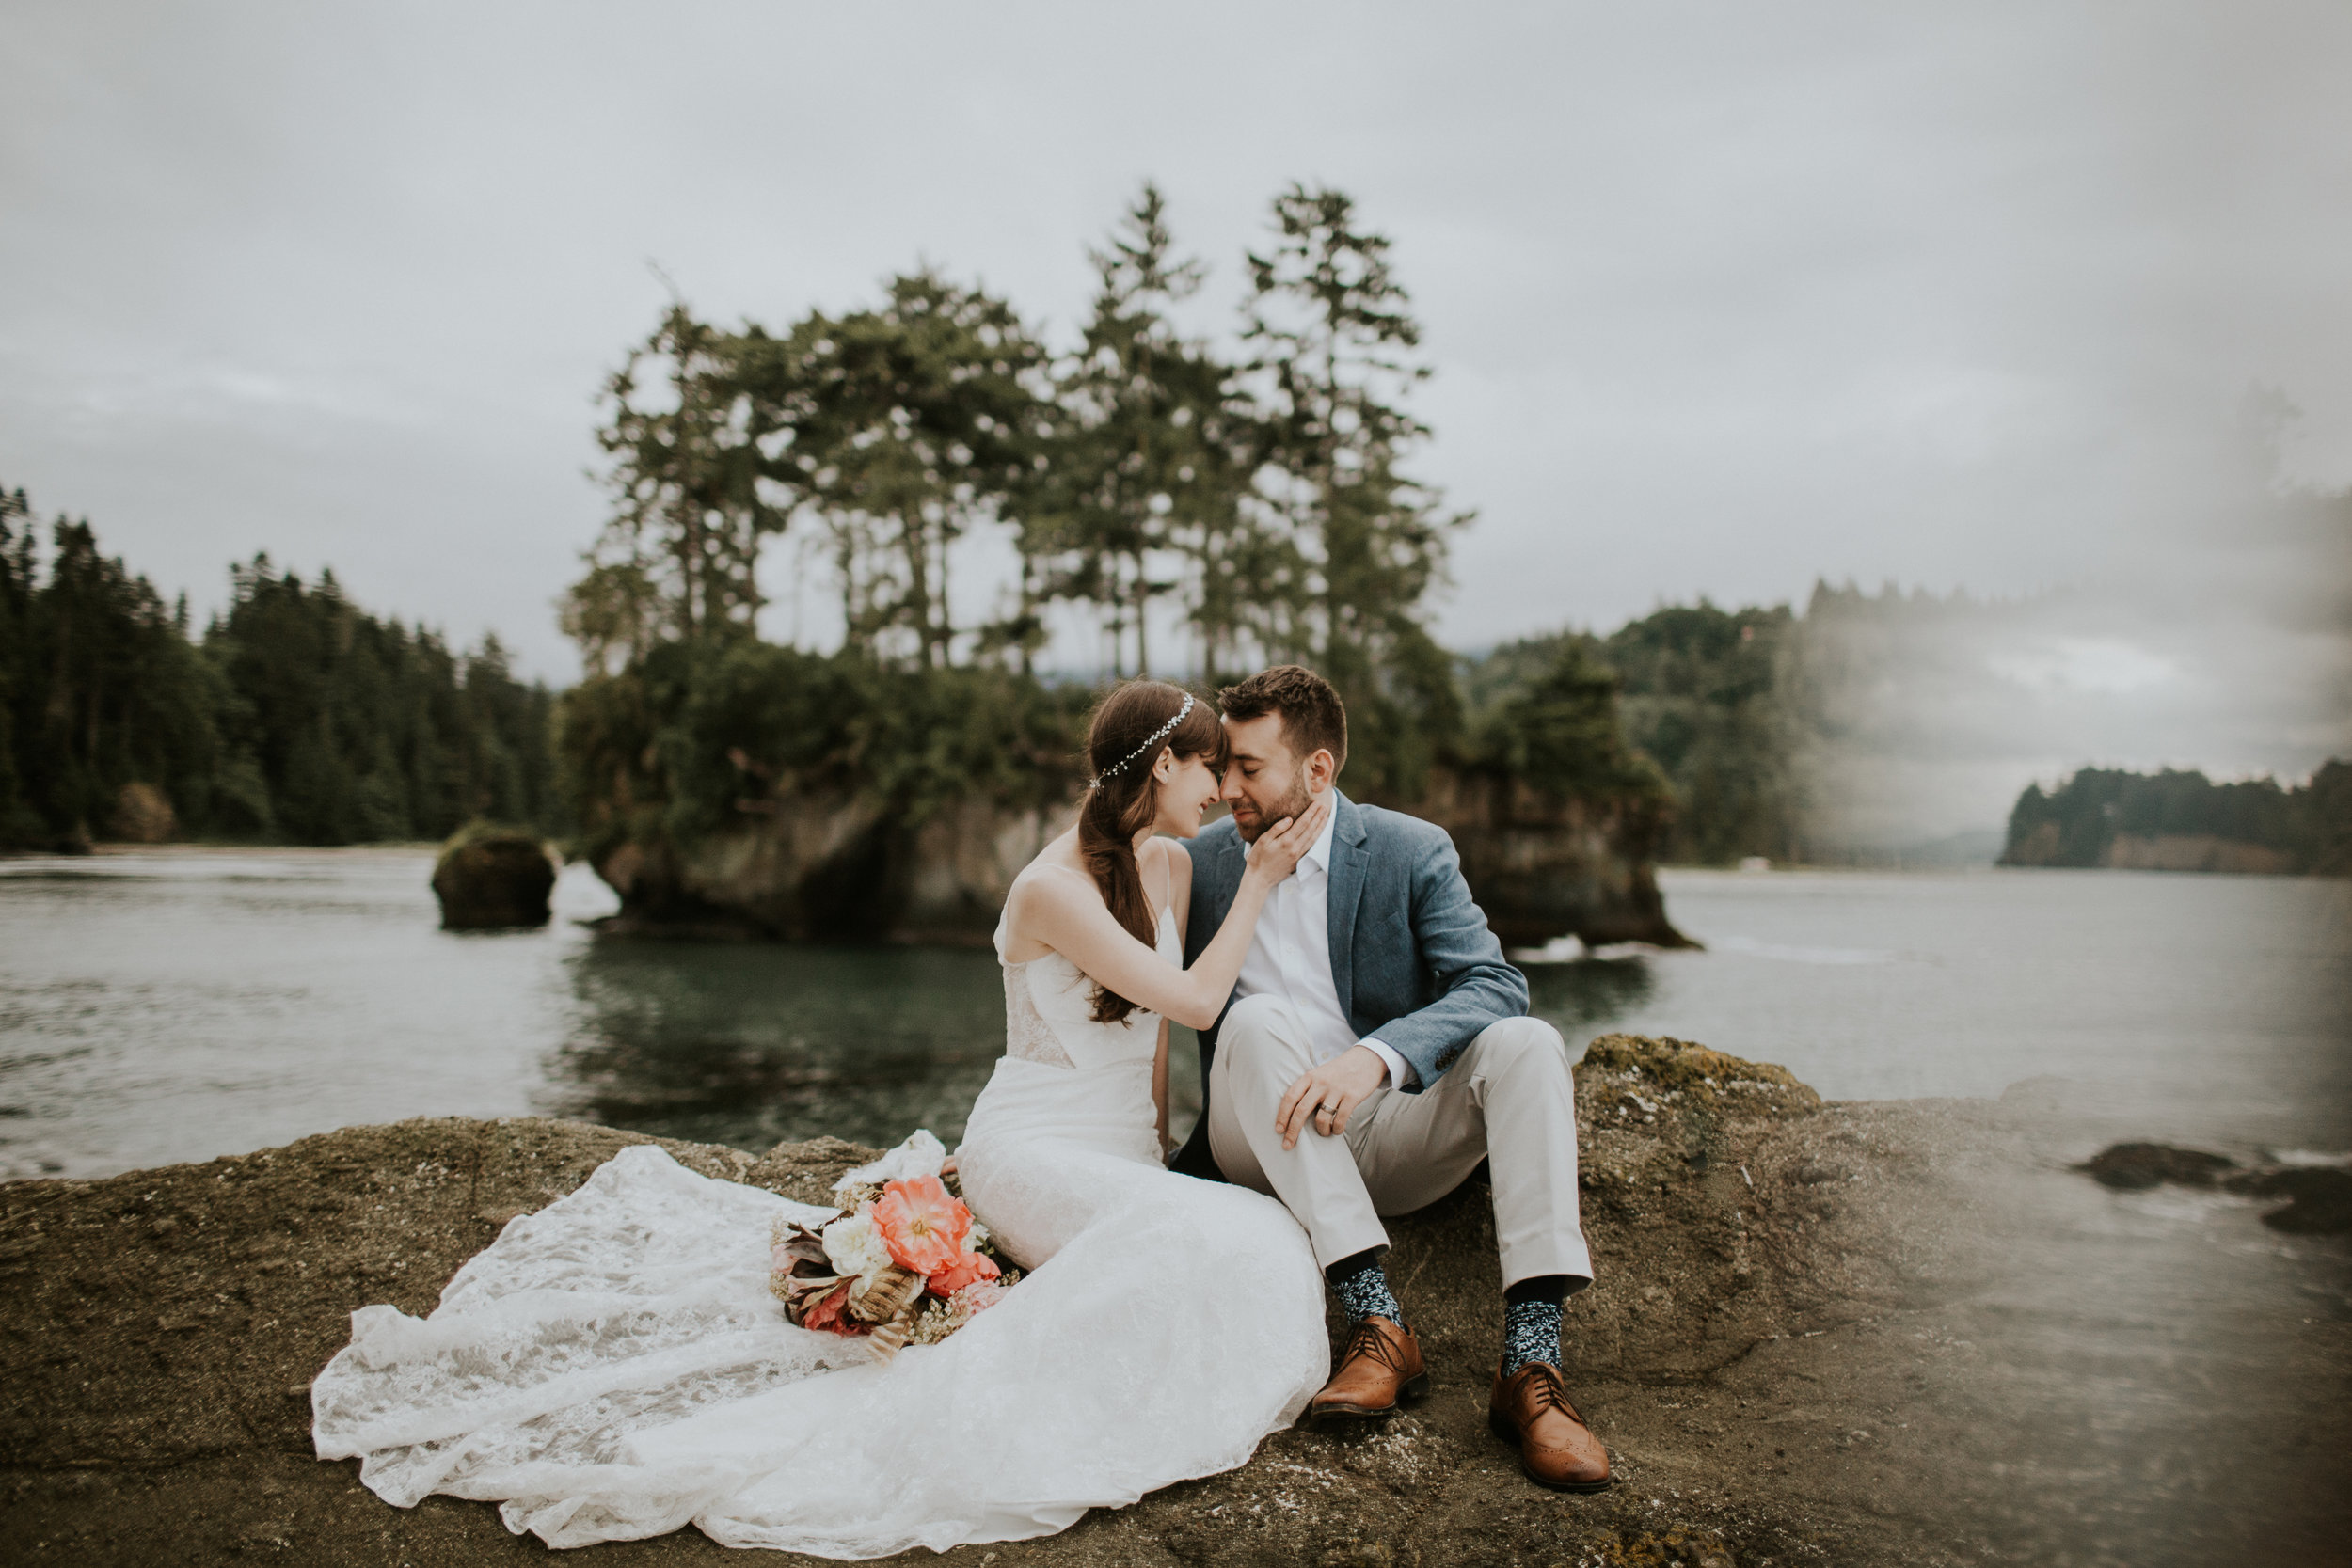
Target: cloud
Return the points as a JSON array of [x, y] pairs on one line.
[[1721, 297]]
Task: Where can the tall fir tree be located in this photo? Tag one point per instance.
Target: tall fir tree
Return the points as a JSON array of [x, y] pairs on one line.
[[899, 430], [1143, 481], [692, 501], [1332, 339]]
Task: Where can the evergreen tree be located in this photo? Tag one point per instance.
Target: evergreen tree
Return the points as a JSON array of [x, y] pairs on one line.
[[1143, 480], [299, 718], [2073, 825], [343, 728], [900, 429], [19, 823], [104, 692], [679, 556], [1702, 696], [1352, 547]]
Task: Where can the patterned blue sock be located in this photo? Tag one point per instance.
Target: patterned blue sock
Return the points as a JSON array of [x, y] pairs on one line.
[[1362, 1289], [1531, 1333]]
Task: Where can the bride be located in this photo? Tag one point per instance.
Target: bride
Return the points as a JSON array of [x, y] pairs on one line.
[[614, 1367]]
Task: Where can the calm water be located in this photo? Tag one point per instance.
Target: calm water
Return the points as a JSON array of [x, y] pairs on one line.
[[2158, 1379], [172, 1005]]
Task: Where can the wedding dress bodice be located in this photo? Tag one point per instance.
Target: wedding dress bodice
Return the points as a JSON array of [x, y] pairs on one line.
[[1049, 1011]]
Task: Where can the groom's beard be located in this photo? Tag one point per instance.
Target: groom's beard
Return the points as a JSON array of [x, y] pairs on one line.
[[1293, 808]]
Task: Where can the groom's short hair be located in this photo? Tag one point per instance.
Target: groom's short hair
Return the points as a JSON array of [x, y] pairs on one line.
[[1314, 718]]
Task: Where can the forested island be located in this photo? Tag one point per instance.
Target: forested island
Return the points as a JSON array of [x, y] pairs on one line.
[[1205, 509], [2178, 820]]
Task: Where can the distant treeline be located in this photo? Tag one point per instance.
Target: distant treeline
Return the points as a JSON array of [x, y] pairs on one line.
[[1737, 709], [296, 718], [2175, 820]]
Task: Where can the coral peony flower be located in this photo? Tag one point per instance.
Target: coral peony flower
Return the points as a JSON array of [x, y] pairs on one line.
[[831, 1315], [969, 1268], [921, 1224]]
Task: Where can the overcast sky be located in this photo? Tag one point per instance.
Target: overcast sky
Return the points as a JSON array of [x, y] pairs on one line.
[[1721, 298]]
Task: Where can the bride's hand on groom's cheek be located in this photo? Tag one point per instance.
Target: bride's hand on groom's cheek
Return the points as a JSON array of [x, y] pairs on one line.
[[1326, 1096], [1281, 847]]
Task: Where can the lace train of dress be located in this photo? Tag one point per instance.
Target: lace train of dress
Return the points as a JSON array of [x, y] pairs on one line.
[[614, 1367]]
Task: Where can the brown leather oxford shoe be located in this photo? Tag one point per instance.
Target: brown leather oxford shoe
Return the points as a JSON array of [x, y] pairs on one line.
[[1381, 1365], [1556, 1449]]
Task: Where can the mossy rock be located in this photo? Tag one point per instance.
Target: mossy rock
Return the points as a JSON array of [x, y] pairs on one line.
[[490, 877], [1699, 1073]]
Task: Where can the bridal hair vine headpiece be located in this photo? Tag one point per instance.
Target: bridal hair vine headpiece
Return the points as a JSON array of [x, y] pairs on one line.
[[1157, 735]]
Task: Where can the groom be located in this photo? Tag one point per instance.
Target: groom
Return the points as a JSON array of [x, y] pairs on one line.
[[1376, 1049]]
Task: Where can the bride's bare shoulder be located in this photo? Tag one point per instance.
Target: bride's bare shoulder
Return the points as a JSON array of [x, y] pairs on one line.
[[1047, 884], [1041, 878], [1042, 899]]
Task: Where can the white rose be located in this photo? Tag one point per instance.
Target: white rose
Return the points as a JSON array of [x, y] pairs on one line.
[[855, 1248]]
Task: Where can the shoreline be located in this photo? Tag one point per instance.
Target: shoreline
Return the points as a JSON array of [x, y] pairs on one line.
[[121, 851]]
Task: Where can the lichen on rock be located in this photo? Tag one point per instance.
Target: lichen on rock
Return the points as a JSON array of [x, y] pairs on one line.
[[1685, 1067]]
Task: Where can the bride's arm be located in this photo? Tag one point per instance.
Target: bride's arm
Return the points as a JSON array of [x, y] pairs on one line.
[[1066, 912]]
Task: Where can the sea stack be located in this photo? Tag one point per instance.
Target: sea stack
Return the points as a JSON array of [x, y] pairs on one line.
[[490, 877]]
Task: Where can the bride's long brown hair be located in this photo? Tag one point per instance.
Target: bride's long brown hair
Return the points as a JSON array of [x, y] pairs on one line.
[[1122, 804]]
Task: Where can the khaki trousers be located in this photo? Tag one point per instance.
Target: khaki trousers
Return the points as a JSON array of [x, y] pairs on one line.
[[1508, 1098]]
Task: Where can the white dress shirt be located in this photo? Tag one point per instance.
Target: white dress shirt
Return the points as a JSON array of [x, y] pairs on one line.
[[1290, 956]]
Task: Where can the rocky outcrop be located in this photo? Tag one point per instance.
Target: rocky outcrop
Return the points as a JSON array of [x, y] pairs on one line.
[[817, 867], [2319, 1198], [164, 1327], [2155, 853], [2194, 852], [1542, 866], [488, 877], [1794, 1351]]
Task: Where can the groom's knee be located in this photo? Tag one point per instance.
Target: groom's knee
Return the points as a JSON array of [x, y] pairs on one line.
[[1261, 1039], [1523, 1046]]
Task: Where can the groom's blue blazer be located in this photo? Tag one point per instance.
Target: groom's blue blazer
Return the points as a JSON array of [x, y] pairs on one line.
[[1411, 955]]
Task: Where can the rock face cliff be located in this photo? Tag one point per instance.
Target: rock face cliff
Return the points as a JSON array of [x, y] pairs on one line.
[[2157, 852], [1543, 866], [818, 867], [810, 866]]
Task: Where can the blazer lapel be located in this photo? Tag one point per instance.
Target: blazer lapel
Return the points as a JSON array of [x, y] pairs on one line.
[[1233, 860], [1349, 858]]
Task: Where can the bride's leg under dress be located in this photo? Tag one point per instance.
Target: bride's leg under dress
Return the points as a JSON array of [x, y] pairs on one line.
[[1171, 1325], [614, 1367]]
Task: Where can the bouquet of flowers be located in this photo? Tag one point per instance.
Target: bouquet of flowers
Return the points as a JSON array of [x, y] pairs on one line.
[[904, 1263]]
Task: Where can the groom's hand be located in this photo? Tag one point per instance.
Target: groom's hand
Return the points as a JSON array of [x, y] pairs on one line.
[[1327, 1095]]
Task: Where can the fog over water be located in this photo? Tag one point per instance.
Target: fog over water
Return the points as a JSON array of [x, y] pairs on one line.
[[2224, 642], [1720, 298]]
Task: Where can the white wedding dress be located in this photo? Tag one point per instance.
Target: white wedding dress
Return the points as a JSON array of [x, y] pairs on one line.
[[613, 1366]]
